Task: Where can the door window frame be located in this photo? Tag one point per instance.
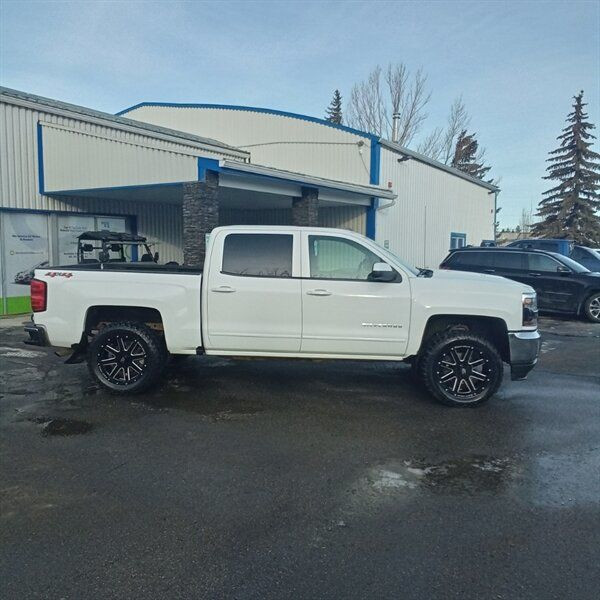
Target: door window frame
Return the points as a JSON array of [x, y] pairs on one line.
[[219, 246], [551, 258], [306, 259]]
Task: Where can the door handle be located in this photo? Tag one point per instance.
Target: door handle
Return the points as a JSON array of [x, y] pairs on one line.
[[490, 270], [223, 289], [534, 274], [318, 292]]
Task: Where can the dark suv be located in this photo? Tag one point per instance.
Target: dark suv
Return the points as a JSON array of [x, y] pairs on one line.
[[562, 285]]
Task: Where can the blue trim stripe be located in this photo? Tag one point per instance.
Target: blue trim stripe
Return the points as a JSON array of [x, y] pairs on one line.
[[371, 217], [375, 165], [40, 149], [270, 111], [207, 164]]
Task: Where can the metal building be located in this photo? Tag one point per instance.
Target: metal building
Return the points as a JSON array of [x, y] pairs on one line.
[[65, 169], [437, 208], [172, 172]]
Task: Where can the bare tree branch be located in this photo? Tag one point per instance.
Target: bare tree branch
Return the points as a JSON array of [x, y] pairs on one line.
[[371, 109], [440, 144]]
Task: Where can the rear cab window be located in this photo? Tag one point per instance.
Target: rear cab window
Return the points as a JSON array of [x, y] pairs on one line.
[[258, 255]]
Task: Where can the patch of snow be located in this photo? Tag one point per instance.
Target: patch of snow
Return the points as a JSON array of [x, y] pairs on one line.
[[19, 352]]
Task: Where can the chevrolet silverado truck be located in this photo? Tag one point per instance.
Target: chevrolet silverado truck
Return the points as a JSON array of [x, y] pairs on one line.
[[289, 292]]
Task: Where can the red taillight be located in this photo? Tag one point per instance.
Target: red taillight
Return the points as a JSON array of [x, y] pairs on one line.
[[38, 295]]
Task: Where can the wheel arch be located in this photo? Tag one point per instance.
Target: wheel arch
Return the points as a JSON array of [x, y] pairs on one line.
[[494, 328], [109, 313]]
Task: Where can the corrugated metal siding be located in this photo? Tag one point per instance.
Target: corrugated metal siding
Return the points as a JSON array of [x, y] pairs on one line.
[[19, 160], [431, 204], [162, 223], [353, 218], [75, 159], [284, 142], [343, 217]]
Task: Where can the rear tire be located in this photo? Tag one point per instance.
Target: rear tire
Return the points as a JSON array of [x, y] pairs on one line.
[[591, 308], [126, 358], [460, 368]]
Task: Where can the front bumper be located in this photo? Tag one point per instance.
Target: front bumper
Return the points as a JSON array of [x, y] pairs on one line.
[[524, 351], [37, 335]]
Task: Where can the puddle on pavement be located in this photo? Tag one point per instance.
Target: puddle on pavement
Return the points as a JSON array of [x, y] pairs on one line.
[[62, 427], [467, 475]]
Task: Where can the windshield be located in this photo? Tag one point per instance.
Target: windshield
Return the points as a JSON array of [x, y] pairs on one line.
[[575, 266], [391, 256]]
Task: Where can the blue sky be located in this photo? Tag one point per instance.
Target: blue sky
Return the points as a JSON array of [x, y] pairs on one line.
[[517, 64]]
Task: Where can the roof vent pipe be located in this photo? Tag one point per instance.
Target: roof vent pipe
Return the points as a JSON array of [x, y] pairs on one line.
[[395, 123]]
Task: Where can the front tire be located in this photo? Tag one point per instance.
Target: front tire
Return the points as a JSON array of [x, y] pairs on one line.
[[591, 308], [126, 358], [460, 368]]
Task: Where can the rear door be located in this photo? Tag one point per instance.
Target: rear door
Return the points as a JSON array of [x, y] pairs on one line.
[[510, 264], [253, 295], [343, 312], [471, 260]]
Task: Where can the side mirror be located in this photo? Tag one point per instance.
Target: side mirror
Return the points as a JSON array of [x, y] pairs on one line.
[[382, 272]]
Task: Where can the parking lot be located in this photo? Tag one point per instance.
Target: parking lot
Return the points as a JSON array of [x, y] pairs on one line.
[[247, 479]]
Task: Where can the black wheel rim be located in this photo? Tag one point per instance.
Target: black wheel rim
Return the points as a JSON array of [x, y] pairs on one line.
[[122, 359], [464, 371]]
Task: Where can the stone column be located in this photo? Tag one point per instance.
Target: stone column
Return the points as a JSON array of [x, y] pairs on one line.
[[305, 210], [200, 216]]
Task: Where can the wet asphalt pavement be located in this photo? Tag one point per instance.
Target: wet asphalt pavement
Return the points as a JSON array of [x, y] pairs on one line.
[[281, 479]]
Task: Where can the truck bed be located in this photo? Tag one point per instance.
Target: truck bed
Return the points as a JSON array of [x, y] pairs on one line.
[[136, 267]]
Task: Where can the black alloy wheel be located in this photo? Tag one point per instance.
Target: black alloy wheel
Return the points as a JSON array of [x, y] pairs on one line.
[[126, 357], [461, 368], [122, 359], [464, 371]]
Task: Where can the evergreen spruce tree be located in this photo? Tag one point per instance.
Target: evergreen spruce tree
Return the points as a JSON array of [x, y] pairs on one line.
[[466, 156], [333, 114], [570, 209]]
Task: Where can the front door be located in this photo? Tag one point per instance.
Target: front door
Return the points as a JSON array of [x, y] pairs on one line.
[[253, 297], [343, 313], [555, 290]]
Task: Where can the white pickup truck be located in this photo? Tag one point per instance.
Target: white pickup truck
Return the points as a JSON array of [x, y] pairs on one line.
[[289, 292]]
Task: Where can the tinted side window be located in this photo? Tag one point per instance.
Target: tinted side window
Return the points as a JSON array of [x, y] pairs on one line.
[[472, 259], [539, 262], [259, 255], [512, 261], [339, 258], [579, 253]]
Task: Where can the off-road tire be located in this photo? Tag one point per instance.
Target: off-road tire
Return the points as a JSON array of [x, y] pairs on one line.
[[475, 376], [591, 308], [126, 357]]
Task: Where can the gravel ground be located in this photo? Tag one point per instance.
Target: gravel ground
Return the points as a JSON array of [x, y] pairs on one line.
[[253, 479]]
